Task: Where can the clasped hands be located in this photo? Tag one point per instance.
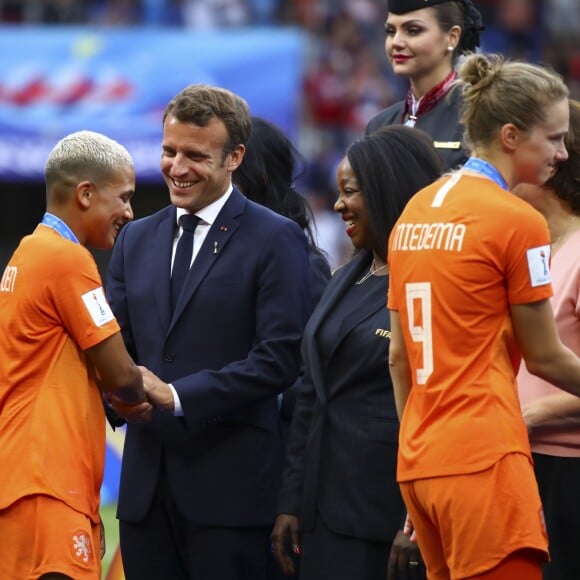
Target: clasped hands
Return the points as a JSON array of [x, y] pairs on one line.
[[158, 393]]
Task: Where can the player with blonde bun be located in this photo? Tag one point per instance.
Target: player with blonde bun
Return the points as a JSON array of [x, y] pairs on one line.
[[469, 294]]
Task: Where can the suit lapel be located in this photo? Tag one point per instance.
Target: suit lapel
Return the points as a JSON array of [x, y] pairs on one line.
[[377, 300], [336, 290], [161, 263], [369, 307], [212, 249]]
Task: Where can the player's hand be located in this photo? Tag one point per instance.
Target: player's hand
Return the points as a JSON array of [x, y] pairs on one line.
[[531, 414], [158, 392], [103, 539], [284, 534], [132, 413], [409, 529]]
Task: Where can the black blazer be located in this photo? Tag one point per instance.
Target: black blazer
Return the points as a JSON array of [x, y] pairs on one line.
[[342, 453], [231, 346], [319, 277], [441, 123]]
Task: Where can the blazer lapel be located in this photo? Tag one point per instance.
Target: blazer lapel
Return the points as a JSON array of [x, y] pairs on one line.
[[160, 265], [345, 277], [220, 233], [370, 306], [365, 310]]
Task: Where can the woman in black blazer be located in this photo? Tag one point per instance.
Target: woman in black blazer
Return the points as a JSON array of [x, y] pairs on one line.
[[339, 504]]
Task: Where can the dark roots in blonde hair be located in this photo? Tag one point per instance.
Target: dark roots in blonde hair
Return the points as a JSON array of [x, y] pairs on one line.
[[497, 91]]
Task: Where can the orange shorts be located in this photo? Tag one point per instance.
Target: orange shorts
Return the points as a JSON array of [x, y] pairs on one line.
[[467, 524], [40, 534]]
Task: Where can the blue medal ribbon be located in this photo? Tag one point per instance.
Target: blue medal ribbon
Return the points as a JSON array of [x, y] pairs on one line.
[[487, 169], [59, 227]]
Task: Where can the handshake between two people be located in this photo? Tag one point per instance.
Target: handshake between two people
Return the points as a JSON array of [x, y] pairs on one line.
[[158, 395]]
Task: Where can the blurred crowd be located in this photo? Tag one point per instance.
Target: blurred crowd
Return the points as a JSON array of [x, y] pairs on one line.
[[347, 78]]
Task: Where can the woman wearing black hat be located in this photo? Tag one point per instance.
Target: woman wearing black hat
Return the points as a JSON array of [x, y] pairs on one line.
[[424, 40]]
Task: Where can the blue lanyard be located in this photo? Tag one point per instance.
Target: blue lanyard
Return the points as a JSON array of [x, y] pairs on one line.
[[59, 227], [487, 169]]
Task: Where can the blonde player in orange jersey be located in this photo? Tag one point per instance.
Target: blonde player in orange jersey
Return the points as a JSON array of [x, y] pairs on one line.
[[469, 291], [57, 334]]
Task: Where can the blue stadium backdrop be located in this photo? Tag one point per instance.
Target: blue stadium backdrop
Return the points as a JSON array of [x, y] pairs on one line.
[[118, 81]]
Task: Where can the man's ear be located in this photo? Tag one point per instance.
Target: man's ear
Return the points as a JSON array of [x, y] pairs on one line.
[[510, 136], [84, 192], [235, 158]]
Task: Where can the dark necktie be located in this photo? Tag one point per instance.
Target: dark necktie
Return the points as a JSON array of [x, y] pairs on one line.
[[183, 253]]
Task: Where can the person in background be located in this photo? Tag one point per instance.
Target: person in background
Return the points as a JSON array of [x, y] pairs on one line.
[[60, 347], [339, 505], [469, 294], [424, 41], [266, 175], [551, 415], [212, 296], [519, 28]]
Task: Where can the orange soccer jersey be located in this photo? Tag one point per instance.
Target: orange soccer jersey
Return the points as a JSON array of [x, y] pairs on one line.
[[52, 424], [462, 252]]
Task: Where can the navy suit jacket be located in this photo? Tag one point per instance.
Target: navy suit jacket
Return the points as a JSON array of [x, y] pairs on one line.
[[441, 123], [231, 346], [342, 453]]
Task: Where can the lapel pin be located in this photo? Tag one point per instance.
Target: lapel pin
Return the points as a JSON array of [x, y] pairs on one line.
[[223, 229], [215, 247]]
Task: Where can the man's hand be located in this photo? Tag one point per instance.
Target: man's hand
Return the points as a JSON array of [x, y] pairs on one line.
[[405, 562], [285, 533], [158, 393]]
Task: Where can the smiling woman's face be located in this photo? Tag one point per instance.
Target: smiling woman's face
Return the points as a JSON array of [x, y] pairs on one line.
[[350, 204]]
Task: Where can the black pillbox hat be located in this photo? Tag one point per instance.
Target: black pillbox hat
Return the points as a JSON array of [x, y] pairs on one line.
[[404, 6]]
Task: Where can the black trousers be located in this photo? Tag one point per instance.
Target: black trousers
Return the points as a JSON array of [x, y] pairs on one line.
[[559, 484], [166, 546], [328, 555]]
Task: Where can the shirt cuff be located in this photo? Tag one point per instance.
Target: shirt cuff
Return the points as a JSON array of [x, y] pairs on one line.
[[177, 408]]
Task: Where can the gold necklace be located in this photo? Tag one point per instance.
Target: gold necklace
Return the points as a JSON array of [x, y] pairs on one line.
[[372, 271]]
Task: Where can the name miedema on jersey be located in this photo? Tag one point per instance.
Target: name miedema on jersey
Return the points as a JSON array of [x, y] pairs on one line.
[[437, 236]]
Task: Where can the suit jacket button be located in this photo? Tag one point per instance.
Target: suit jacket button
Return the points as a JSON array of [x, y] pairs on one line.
[[168, 357]]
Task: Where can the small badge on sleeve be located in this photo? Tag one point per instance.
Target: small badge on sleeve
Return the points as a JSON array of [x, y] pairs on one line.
[[539, 265], [98, 306]]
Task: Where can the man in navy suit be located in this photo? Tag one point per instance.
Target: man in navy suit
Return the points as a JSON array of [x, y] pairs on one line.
[[199, 481]]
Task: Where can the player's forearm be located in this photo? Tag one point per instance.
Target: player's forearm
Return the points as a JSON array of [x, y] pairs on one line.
[[560, 366], [559, 411], [129, 388]]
